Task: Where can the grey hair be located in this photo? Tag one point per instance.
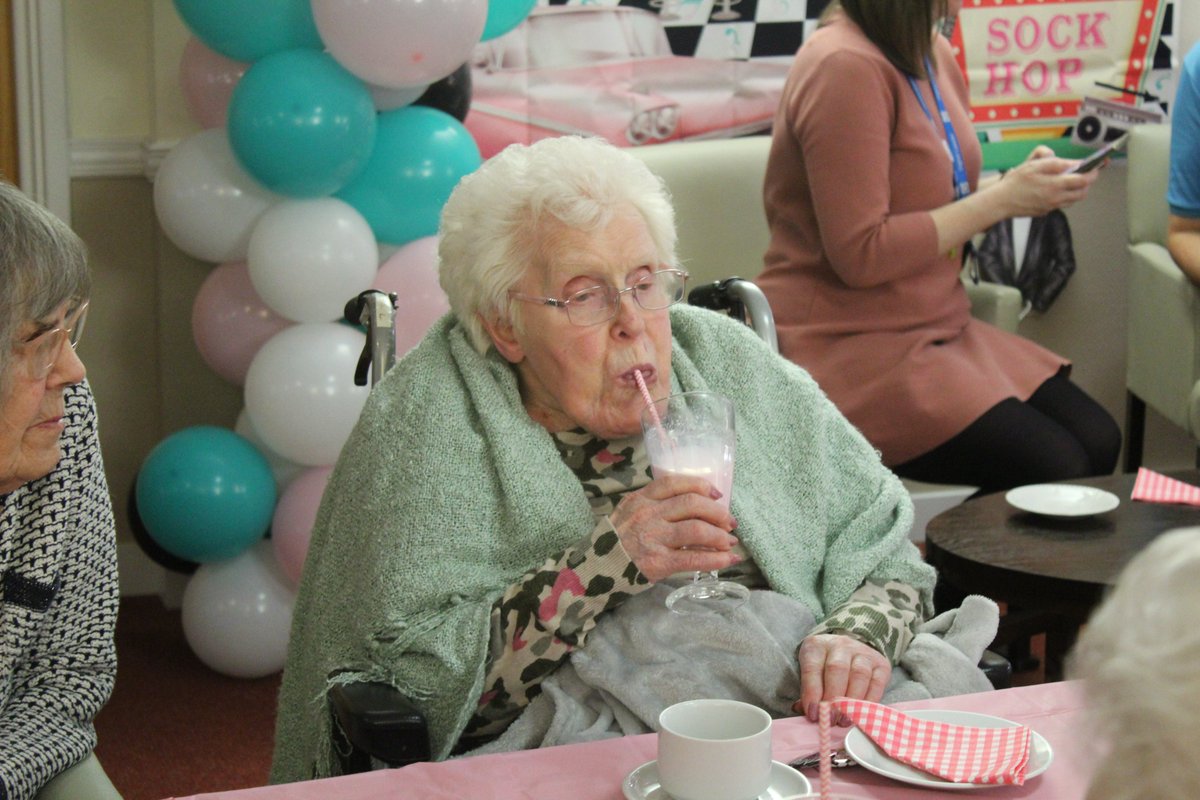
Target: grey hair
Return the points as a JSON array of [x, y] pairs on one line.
[[1139, 660], [494, 226], [43, 264]]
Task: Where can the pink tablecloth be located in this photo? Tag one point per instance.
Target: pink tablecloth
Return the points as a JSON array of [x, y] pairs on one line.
[[595, 771]]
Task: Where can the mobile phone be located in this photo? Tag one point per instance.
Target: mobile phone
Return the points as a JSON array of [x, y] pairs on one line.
[[1097, 158]]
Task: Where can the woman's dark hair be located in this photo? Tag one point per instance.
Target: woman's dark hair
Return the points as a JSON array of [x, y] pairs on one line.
[[902, 29]]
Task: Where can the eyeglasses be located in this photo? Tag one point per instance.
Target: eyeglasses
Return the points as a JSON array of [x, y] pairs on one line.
[[42, 350], [598, 304]]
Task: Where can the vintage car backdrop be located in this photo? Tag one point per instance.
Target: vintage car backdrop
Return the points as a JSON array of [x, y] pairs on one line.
[[610, 72]]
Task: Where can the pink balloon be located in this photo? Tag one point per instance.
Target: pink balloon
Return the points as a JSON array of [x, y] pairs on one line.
[[230, 322], [207, 79], [411, 273], [291, 527]]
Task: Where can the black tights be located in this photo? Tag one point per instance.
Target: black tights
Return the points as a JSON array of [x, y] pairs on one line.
[[1060, 433]]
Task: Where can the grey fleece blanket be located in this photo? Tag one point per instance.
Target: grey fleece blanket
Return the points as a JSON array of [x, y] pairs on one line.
[[643, 658]]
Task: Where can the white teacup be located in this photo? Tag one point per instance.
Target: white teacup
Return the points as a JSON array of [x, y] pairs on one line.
[[714, 750]]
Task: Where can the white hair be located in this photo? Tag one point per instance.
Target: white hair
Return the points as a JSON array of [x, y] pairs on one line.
[[1139, 659], [43, 264], [495, 225]]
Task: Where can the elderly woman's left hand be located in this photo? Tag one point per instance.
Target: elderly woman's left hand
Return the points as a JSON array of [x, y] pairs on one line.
[[833, 665]]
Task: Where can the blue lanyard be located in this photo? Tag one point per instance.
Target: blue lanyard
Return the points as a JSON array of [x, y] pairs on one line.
[[962, 185]]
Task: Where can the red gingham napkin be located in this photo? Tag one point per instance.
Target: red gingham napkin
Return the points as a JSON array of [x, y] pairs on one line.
[[955, 752], [1153, 487]]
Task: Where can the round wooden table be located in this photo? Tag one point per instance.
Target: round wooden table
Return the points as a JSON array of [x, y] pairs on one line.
[[1051, 571]]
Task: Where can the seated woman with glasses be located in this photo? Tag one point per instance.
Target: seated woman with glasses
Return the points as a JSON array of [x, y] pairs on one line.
[[492, 541], [58, 602]]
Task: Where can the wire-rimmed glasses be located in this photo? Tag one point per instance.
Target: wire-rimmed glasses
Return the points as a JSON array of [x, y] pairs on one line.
[[40, 352], [597, 304]]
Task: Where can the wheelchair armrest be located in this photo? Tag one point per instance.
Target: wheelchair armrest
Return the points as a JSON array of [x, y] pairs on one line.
[[380, 724], [997, 668]]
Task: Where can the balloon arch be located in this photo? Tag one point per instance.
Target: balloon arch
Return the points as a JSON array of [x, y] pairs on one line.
[[331, 136]]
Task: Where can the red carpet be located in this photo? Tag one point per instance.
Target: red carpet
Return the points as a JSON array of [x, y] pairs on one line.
[[173, 726]]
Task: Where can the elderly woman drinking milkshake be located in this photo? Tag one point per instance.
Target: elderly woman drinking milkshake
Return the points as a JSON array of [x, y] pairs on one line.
[[492, 541]]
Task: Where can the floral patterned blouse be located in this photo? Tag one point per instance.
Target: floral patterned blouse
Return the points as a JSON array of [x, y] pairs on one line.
[[552, 608]]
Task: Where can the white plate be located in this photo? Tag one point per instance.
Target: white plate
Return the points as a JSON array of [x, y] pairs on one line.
[[642, 783], [1062, 499], [868, 754]]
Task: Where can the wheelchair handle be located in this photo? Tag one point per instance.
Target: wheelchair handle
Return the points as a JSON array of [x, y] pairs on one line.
[[742, 300], [377, 311]]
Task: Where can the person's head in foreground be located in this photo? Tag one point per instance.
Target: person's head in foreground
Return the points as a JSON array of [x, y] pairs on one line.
[[1138, 659], [44, 286], [562, 257], [56, 527], [497, 506]]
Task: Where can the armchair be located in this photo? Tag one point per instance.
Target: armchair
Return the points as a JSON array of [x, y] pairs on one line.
[[86, 780], [1163, 349]]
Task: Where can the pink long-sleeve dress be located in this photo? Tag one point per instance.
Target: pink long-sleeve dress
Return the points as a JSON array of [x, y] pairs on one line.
[[862, 297]]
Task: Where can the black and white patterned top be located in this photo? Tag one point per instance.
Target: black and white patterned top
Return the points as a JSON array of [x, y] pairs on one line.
[[58, 609]]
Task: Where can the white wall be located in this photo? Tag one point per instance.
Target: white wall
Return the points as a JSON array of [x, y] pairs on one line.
[[1189, 24]]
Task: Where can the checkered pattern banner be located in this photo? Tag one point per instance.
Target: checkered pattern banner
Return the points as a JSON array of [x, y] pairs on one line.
[[728, 28]]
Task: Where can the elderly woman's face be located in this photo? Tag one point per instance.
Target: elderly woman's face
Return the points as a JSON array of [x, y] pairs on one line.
[[583, 377], [31, 408]]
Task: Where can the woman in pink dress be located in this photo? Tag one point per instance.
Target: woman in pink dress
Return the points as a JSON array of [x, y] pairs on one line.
[[872, 189]]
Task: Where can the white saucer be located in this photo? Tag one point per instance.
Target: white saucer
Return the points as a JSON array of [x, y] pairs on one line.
[[1062, 499], [868, 754], [642, 783]]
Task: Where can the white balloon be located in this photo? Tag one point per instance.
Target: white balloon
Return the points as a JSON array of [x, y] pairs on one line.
[[237, 614], [284, 471], [300, 391], [400, 42], [389, 99], [206, 203], [308, 257]]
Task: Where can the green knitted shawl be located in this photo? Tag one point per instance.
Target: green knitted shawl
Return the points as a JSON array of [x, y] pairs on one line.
[[447, 492]]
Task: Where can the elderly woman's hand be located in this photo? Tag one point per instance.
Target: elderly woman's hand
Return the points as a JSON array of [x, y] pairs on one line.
[[833, 665], [675, 524]]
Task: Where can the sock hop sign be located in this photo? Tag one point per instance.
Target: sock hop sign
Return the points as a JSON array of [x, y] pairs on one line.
[[1032, 63]]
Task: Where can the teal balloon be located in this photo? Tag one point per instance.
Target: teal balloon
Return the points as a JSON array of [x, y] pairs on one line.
[[504, 15], [247, 30], [205, 494], [301, 124], [420, 154]]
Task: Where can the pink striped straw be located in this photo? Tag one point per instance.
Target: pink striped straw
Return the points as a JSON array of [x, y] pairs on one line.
[[641, 382], [825, 766]]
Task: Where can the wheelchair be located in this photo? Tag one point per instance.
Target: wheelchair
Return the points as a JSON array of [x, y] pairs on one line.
[[375, 725]]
